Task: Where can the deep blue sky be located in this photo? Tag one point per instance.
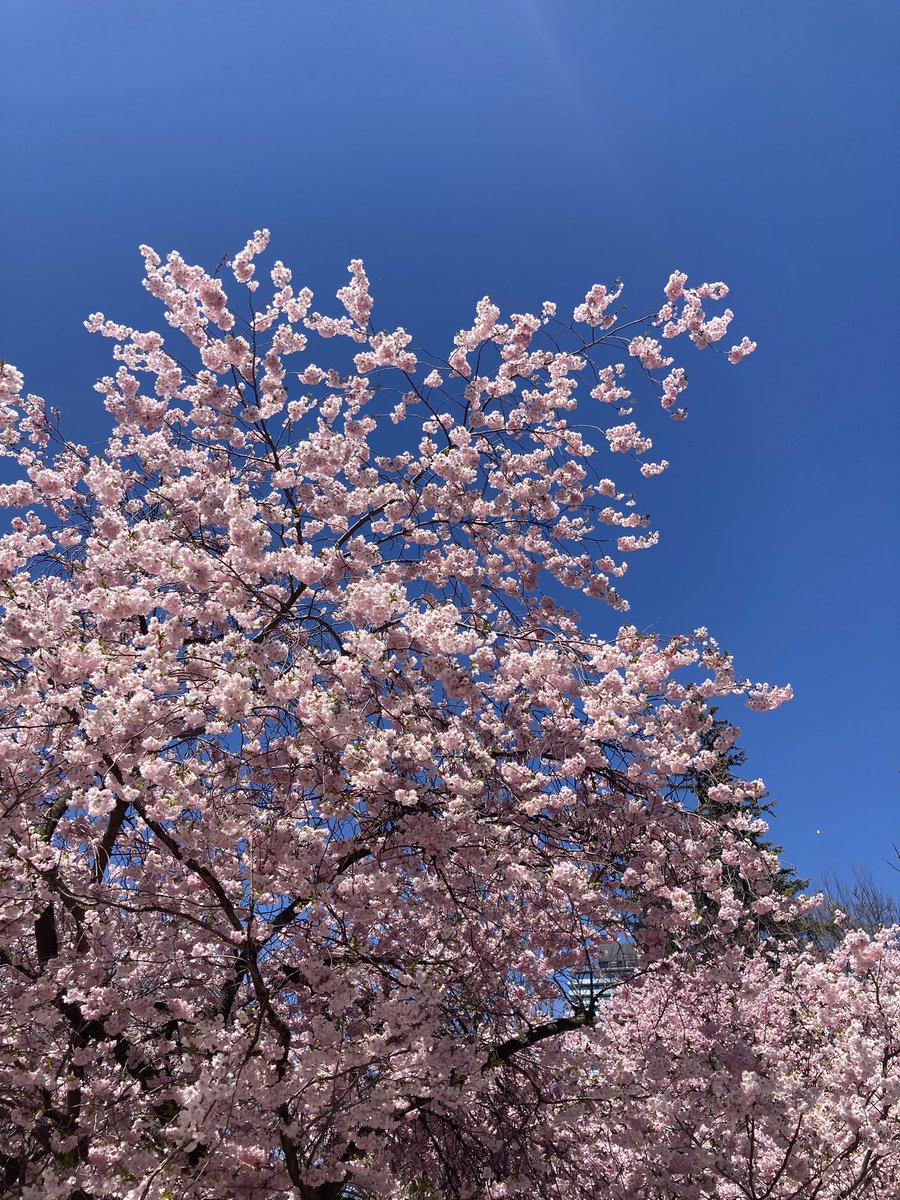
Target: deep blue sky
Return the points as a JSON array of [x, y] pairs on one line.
[[529, 148]]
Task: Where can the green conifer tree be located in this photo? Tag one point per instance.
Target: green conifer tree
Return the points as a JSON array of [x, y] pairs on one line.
[[786, 882]]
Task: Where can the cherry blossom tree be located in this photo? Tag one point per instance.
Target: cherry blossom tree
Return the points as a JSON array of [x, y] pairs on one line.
[[314, 792], [743, 1079]]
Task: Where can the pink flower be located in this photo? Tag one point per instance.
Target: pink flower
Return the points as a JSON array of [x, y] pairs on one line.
[[740, 351]]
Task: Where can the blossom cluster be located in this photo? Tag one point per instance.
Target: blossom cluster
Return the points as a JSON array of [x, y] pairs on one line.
[[313, 792]]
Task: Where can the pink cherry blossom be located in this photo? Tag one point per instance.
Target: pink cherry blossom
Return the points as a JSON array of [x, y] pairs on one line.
[[315, 797]]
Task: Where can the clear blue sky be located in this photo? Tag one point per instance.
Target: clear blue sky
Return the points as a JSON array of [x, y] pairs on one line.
[[529, 148]]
